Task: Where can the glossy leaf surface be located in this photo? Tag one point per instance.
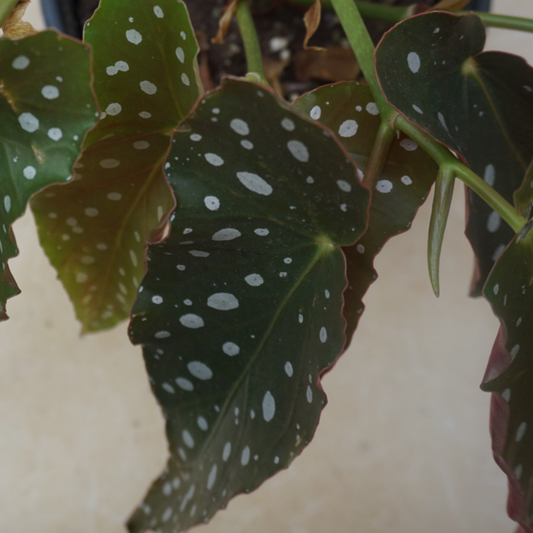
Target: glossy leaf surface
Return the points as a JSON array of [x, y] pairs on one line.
[[146, 83], [510, 373], [241, 309], [479, 104], [349, 110], [46, 107]]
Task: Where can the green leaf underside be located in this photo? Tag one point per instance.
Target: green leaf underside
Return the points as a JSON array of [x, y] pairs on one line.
[[509, 374], [146, 82], [478, 104], [46, 106], [241, 309], [349, 110]]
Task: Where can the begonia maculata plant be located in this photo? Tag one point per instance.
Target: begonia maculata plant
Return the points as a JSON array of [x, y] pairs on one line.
[[236, 228]]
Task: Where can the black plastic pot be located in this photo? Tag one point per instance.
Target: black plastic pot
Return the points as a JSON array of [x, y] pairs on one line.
[[68, 16]]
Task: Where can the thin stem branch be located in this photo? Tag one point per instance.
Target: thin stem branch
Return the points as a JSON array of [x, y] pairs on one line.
[[254, 59], [445, 158], [503, 21], [395, 14], [380, 150], [363, 48], [392, 14], [6, 7]]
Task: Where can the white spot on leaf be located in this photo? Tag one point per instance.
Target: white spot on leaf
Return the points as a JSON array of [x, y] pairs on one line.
[[239, 126], [226, 234], [298, 150], [348, 128], [28, 122], [191, 321], [148, 87], [199, 370], [269, 406], [315, 113], [214, 159], [254, 183], [384, 186], [134, 36], [231, 349], [223, 301], [413, 60], [254, 280]]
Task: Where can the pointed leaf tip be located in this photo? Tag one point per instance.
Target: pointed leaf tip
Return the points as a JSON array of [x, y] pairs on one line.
[[241, 309]]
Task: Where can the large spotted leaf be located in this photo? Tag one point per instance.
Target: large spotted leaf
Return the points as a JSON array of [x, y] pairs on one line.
[[509, 374], [46, 106], [479, 104], [241, 309], [145, 80], [349, 110]]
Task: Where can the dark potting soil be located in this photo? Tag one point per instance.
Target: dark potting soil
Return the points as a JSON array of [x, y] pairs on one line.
[[290, 69]]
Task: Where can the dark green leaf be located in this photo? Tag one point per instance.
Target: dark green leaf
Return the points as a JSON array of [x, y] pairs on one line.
[[509, 373], [241, 309], [46, 106], [146, 82], [349, 110], [479, 104]]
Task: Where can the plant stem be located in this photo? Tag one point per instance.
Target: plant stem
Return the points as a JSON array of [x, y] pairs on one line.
[[392, 14], [445, 158], [6, 6], [254, 60], [363, 48], [395, 14], [379, 154], [503, 21], [364, 51]]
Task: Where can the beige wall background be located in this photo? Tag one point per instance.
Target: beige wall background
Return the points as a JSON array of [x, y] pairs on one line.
[[403, 446]]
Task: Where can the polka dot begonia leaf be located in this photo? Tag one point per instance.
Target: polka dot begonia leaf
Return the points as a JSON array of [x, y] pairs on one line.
[[510, 372], [349, 110], [432, 69], [146, 81], [240, 312], [46, 107]]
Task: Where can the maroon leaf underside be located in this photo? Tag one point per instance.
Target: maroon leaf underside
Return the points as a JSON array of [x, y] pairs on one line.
[[509, 373], [349, 110]]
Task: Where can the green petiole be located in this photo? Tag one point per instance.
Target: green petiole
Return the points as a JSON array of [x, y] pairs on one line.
[[395, 14], [252, 48], [6, 7]]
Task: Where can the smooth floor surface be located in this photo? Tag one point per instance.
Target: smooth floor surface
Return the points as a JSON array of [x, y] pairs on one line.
[[403, 446]]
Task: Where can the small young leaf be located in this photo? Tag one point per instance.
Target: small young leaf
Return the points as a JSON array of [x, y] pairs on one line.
[[440, 211], [479, 104], [510, 372], [46, 106], [146, 82], [241, 309], [349, 110]]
